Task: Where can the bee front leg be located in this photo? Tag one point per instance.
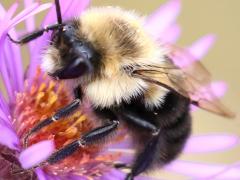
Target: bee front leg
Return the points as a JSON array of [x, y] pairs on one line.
[[61, 113], [94, 136]]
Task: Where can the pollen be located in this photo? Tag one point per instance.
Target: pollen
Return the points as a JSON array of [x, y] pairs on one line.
[[41, 100]]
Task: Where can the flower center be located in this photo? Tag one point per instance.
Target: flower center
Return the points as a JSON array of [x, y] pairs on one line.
[[40, 101]]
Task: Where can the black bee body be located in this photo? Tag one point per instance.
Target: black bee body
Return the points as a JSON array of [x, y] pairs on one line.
[[159, 133]]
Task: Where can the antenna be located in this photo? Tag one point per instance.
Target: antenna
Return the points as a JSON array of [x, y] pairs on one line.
[[58, 10]]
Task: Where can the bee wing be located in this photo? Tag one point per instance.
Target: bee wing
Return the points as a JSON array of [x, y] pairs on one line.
[[191, 80]]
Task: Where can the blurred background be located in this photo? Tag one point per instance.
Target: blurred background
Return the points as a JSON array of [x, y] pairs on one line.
[[199, 18]]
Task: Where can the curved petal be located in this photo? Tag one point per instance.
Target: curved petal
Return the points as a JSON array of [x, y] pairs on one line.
[[30, 22], [32, 10], [162, 18], [201, 47], [201, 170], [36, 154], [8, 137], [210, 143]]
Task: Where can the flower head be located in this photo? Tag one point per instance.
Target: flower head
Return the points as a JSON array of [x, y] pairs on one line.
[[32, 97]]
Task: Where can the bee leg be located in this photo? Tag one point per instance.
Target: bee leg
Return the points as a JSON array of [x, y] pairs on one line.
[[65, 111], [122, 166], [139, 121], [94, 136], [145, 158]]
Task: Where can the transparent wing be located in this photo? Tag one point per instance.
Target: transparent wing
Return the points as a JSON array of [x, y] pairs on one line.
[[191, 80]]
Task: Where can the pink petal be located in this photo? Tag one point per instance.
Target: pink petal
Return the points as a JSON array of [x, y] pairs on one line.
[[162, 18], [8, 137], [36, 154], [171, 34], [201, 170], [201, 47], [210, 143]]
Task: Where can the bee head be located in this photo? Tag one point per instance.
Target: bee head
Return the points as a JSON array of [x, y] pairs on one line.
[[70, 56]]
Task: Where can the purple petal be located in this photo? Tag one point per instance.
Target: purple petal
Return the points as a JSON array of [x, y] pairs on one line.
[[23, 13], [4, 108], [118, 175], [171, 34], [162, 18], [8, 137], [75, 4], [201, 47], [40, 174], [222, 173], [12, 10], [201, 170], [32, 10], [210, 143], [30, 22], [12, 57], [219, 88], [5, 74], [4, 118], [36, 154], [146, 177]]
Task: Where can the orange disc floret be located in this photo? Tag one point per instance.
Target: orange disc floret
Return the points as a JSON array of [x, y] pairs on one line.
[[40, 101]]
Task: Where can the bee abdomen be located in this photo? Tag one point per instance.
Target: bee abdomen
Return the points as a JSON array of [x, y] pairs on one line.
[[173, 138], [175, 129]]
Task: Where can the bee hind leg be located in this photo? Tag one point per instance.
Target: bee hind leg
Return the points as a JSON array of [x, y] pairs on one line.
[[61, 113], [145, 158]]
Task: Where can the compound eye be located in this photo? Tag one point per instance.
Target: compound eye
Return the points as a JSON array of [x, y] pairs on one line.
[[54, 37]]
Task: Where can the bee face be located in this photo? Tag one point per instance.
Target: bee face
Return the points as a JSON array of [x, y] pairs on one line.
[[70, 56]]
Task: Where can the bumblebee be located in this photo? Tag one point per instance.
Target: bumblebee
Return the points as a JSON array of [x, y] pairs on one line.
[[107, 57]]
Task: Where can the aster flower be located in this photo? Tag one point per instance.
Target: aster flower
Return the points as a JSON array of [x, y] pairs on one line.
[[34, 96]]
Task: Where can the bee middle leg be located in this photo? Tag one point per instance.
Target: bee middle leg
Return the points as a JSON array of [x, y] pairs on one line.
[[61, 113]]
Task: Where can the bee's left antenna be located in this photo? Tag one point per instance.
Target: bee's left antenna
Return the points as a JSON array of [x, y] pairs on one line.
[[58, 10], [35, 34]]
